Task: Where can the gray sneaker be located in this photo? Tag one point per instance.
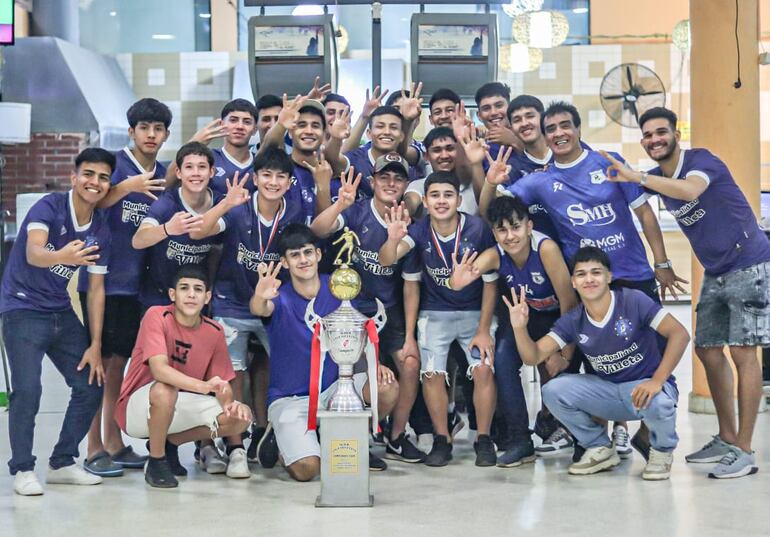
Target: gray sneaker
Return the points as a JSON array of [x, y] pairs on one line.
[[711, 452], [736, 463], [595, 459]]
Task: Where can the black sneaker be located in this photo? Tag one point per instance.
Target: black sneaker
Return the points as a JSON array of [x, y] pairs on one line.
[[267, 448], [641, 442], [517, 454], [256, 435], [455, 422], [376, 464], [441, 453], [172, 459], [545, 425], [485, 451], [578, 453], [401, 449], [158, 474]]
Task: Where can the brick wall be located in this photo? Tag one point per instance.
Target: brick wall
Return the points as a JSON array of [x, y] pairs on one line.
[[43, 165]]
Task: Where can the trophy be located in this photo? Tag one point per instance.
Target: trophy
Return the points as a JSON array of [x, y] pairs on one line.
[[346, 333]]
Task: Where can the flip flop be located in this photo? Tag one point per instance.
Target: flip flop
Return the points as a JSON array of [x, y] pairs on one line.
[[102, 465]]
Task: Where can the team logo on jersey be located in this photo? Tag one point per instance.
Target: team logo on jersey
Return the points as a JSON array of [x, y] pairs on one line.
[[557, 186], [582, 338], [598, 215], [220, 172], [364, 229], [428, 249], [598, 177], [623, 328], [509, 279], [537, 278], [63, 231]]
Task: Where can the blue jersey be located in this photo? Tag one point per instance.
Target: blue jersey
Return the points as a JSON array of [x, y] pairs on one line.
[[719, 224], [291, 341], [302, 192], [532, 276], [587, 209], [376, 281], [26, 287], [124, 218], [248, 240], [166, 257], [621, 347], [432, 256], [225, 167]]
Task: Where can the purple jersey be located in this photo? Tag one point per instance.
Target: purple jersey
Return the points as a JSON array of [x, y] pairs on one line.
[[376, 281], [248, 240], [432, 256], [291, 341], [587, 209], [166, 257], [540, 293], [719, 224], [26, 287], [225, 167], [124, 218], [302, 193], [621, 347]]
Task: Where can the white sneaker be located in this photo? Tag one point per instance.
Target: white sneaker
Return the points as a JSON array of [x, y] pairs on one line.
[[559, 440], [71, 475], [595, 460], [211, 461], [659, 466], [238, 465], [621, 441], [26, 484]]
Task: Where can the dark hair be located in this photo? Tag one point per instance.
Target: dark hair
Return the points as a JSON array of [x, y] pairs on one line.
[[194, 272], [308, 109], [295, 236], [443, 94], [149, 110], [193, 148], [274, 158], [492, 89], [560, 107], [385, 111], [395, 96], [506, 209], [239, 105], [436, 134], [658, 112], [96, 155], [335, 98], [448, 178], [590, 253], [525, 101], [268, 101]]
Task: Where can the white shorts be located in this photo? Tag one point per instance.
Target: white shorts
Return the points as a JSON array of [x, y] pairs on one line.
[[288, 416], [192, 410]]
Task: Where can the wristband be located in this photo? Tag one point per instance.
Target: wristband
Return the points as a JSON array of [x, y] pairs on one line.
[[667, 264], [643, 180], [165, 230]]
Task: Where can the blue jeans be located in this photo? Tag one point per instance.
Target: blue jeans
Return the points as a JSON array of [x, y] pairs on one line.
[[510, 394], [574, 399], [28, 336]]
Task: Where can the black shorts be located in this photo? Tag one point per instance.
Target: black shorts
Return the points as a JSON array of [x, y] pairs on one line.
[[393, 334], [648, 287], [122, 316]]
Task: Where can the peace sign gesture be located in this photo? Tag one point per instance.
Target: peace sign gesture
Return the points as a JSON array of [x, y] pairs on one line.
[[397, 220], [411, 107], [518, 310], [236, 191], [348, 188], [322, 171], [498, 171], [465, 272], [268, 284]]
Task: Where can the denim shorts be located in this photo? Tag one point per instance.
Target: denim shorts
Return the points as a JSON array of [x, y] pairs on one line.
[[734, 308], [237, 332]]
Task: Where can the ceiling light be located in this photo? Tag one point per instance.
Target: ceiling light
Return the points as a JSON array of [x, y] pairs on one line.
[[307, 9], [541, 29], [163, 37], [204, 15]]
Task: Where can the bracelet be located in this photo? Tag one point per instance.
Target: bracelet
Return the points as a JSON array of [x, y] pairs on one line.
[[165, 230], [667, 264], [643, 180]]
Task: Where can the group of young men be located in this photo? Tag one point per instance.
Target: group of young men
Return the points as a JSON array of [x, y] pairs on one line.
[[490, 246]]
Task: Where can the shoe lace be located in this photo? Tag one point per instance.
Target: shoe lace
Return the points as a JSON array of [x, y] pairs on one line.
[[620, 436]]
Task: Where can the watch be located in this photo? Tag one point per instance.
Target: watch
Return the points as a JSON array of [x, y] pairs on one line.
[[643, 180], [667, 264]]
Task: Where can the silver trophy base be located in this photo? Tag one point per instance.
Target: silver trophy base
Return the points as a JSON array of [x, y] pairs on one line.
[[345, 398]]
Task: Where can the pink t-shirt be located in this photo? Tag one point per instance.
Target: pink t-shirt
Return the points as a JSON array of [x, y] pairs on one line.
[[199, 352]]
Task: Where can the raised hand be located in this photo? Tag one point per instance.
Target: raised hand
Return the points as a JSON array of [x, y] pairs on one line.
[[183, 223], [499, 169], [397, 221], [475, 149], [373, 102], [411, 107], [322, 171], [213, 130], [501, 135], [340, 129], [517, 308], [465, 272], [145, 183], [75, 253], [348, 188], [237, 194], [460, 122], [268, 284], [318, 92], [289, 114], [619, 172]]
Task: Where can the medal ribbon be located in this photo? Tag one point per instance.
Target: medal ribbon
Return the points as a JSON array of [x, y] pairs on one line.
[[315, 378], [373, 363], [458, 238], [276, 219]]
